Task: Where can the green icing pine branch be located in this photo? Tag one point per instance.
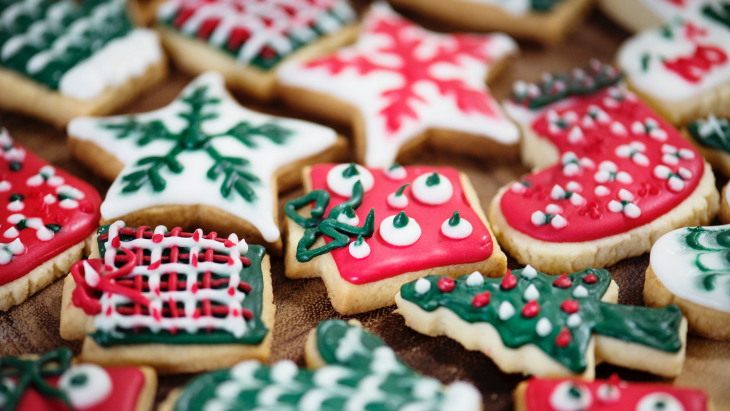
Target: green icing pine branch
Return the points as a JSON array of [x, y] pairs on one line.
[[697, 239], [713, 133]]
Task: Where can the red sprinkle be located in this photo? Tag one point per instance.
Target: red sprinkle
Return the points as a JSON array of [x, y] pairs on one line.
[[446, 284], [509, 281], [563, 281], [570, 306], [481, 300], [157, 238], [531, 309], [564, 338], [590, 279]]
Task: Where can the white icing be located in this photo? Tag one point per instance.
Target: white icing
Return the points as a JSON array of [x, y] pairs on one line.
[[543, 327], [601, 191], [359, 251], [574, 320], [15, 206], [635, 151], [96, 388], [192, 186], [457, 232], [580, 292], [398, 202], [350, 345], [11, 232], [460, 396], [608, 393], [433, 110], [5, 186], [562, 400], [344, 219], [608, 171], [625, 206], [422, 286], [651, 402], [8, 250], [475, 279], [403, 236], [342, 185], [396, 172], [506, 311], [436, 194], [531, 293]]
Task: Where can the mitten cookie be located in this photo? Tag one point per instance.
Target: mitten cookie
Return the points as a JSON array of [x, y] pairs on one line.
[[638, 15], [711, 136], [202, 161], [614, 177], [350, 369], [372, 230], [47, 218], [682, 69], [54, 382], [533, 323], [546, 21], [246, 41], [64, 59], [540, 394], [689, 267], [177, 301], [402, 86]]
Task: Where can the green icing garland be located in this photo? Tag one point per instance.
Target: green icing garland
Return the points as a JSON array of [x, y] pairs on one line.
[[696, 239], [656, 328], [32, 373], [712, 133], [45, 39], [356, 360]]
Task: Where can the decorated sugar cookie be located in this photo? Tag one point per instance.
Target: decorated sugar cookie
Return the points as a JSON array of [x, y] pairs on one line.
[[546, 21], [47, 217], [543, 394], [711, 136], [247, 40], [683, 68], [154, 297], [64, 59], [202, 161], [548, 326], [53, 382], [372, 230], [613, 175], [350, 369], [638, 15], [402, 86], [690, 267]]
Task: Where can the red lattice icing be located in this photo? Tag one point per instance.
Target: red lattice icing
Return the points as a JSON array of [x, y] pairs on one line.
[[36, 200], [621, 167], [432, 249]]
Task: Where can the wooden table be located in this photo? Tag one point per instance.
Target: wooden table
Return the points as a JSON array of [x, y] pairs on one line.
[[32, 327]]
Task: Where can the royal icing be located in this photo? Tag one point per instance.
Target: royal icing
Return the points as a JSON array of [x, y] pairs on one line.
[[171, 288], [416, 245], [405, 80], [607, 183], [359, 249], [360, 373], [543, 394], [456, 227], [77, 48], [693, 264], [43, 210], [713, 133], [260, 32], [535, 308], [203, 148]]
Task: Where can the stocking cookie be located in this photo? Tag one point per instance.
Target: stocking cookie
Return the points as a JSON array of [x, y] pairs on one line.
[[711, 136], [534, 323], [372, 230], [640, 15], [402, 86], [689, 267], [202, 161], [47, 218], [541, 394], [682, 69], [64, 59], [547, 21], [614, 176], [246, 41], [53, 382], [153, 297], [350, 369]]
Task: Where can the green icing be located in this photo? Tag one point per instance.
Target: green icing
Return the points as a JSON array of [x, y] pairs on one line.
[[710, 242], [350, 171], [455, 219], [718, 12], [237, 178], [362, 373], [401, 189], [44, 39], [543, 6], [433, 179], [656, 328], [712, 133], [32, 374], [255, 328]]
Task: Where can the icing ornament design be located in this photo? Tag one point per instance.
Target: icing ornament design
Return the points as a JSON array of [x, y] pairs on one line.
[[396, 172], [432, 189], [400, 230], [713, 133], [359, 248], [405, 80], [397, 200], [456, 227]]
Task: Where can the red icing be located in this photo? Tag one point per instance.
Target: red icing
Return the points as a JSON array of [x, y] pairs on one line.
[[563, 281], [509, 281], [593, 220], [446, 284], [564, 338], [76, 224], [590, 279], [531, 309], [433, 249], [539, 390], [127, 384], [570, 306], [694, 67], [481, 300]]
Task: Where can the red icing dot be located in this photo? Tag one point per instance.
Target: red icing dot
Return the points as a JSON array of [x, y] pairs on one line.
[[481, 300], [115, 242], [509, 281], [231, 291], [563, 281], [196, 314], [590, 279], [531, 309], [229, 244], [570, 306], [564, 338], [157, 238], [446, 284], [196, 236], [194, 288]]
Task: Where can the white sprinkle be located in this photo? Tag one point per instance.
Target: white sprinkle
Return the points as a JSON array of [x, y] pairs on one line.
[[543, 327], [422, 286], [475, 279], [580, 292], [574, 320], [531, 293], [529, 272], [506, 311]]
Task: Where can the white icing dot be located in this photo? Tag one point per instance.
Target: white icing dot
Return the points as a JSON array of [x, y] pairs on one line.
[[659, 401], [422, 286], [95, 388], [531, 293], [359, 251], [574, 320], [618, 129], [5, 186], [529, 272], [49, 199], [475, 279], [460, 231], [344, 219], [398, 202], [68, 203], [506, 311], [564, 399], [435, 194], [559, 222], [283, 372], [35, 181], [395, 173], [543, 327], [16, 247], [16, 205], [608, 393], [11, 232], [343, 185], [44, 234], [601, 191], [400, 236], [580, 292]]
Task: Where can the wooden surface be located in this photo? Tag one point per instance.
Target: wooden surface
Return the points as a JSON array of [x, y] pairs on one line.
[[32, 327]]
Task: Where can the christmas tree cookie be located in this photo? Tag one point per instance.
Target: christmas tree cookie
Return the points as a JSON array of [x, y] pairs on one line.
[[612, 175], [545, 21], [690, 267], [541, 394], [47, 218], [711, 136], [349, 369], [54, 382], [246, 41], [402, 86], [202, 161], [533, 323], [683, 68], [64, 59], [177, 301], [369, 231]]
